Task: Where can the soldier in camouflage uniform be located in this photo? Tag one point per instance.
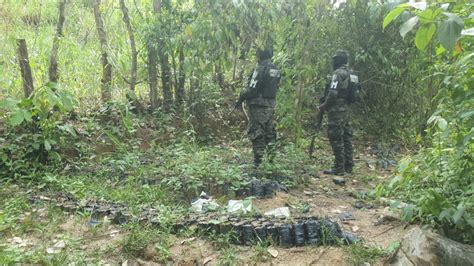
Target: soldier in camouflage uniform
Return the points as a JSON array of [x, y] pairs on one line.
[[260, 97], [339, 115]]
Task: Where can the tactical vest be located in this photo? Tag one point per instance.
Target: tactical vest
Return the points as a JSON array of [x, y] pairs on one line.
[[348, 89], [271, 78], [343, 86]]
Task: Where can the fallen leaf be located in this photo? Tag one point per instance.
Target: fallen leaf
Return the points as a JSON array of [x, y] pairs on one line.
[[273, 252], [52, 251], [208, 259], [188, 240], [114, 232], [17, 240], [60, 245]]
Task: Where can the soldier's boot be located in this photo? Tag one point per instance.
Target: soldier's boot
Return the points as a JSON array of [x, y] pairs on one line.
[[257, 160], [333, 172], [348, 162], [338, 168], [348, 170]]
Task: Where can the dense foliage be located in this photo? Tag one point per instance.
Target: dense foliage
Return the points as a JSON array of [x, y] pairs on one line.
[[193, 59], [439, 180]]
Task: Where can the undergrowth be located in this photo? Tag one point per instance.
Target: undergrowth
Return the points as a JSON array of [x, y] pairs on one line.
[[360, 253]]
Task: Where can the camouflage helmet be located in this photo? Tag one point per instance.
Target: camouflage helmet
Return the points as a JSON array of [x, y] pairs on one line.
[[343, 54], [341, 57], [263, 54]]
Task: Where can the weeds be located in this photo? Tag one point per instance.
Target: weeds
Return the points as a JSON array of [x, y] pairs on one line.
[[360, 254], [260, 248], [139, 238], [227, 256]]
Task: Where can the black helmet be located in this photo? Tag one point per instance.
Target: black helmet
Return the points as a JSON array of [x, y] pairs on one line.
[[263, 54], [343, 54], [340, 58]]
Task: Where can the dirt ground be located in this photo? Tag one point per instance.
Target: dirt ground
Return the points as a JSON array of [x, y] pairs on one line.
[[376, 225], [371, 221]]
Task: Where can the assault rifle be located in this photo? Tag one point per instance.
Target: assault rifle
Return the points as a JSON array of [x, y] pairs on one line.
[[317, 128]]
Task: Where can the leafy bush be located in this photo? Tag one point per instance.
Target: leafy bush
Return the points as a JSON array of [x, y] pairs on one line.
[[439, 180], [34, 130]]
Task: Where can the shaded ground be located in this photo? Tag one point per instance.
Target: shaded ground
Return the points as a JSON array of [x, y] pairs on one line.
[[49, 235]]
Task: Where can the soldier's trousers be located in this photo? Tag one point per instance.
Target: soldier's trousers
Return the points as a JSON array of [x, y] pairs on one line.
[[261, 131], [340, 137]]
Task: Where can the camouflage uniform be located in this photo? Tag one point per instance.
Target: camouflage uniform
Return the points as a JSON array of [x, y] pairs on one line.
[[260, 96], [339, 120]]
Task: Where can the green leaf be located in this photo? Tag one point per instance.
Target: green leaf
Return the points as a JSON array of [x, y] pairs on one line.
[[445, 213], [17, 117], [440, 49], [450, 31], [424, 35], [9, 104], [403, 165], [27, 116], [408, 26], [466, 114], [47, 145], [393, 14], [69, 129], [52, 85], [442, 124], [426, 16], [458, 214], [408, 212]]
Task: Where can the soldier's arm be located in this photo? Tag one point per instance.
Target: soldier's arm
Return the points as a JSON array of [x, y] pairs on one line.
[[254, 85], [331, 93]]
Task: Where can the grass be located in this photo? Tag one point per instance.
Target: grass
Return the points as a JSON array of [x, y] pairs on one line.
[[227, 256], [260, 249], [360, 254], [118, 177]]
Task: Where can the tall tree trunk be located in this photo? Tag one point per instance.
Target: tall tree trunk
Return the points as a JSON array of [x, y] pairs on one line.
[[152, 56], [165, 78], [131, 36], [152, 76], [25, 68], [219, 75], [156, 6], [234, 67], [164, 63], [133, 72], [53, 64], [180, 92], [106, 67], [175, 73]]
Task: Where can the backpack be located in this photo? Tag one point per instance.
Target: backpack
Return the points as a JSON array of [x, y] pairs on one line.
[[353, 89]]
